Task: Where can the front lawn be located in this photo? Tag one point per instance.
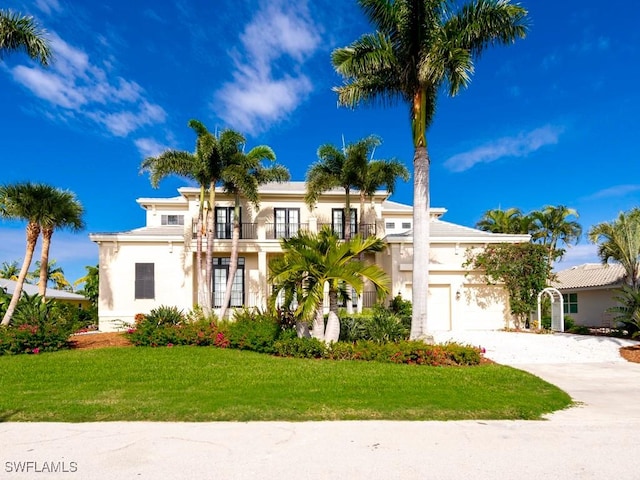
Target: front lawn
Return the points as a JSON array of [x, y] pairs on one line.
[[208, 384]]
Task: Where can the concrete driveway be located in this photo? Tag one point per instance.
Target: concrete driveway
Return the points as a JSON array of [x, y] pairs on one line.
[[598, 439]]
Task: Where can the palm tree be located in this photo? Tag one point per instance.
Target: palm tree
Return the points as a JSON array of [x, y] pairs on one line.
[[311, 260], [419, 46], [510, 220], [204, 166], [54, 275], [552, 225], [619, 241], [64, 211], [10, 271], [30, 202], [21, 33], [90, 284], [338, 168], [242, 177]]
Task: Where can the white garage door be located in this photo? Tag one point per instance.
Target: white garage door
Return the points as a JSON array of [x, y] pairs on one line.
[[439, 307]]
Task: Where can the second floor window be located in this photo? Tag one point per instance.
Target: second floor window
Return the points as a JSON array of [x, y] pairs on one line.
[[172, 220], [224, 222], [287, 222], [338, 223]]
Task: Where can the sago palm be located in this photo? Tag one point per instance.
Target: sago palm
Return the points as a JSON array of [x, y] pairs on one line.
[[420, 46]]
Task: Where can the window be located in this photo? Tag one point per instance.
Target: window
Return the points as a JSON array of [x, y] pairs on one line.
[[406, 224], [287, 222], [144, 287], [390, 225], [570, 302], [172, 220], [224, 222], [337, 221], [220, 275], [342, 302]]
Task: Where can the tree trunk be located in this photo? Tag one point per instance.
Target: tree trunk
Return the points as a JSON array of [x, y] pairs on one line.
[[47, 233], [209, 225], [233, 262], [421, 224], [302, 330], [33, 231], [347, 215], [318, 324], [332, 333]]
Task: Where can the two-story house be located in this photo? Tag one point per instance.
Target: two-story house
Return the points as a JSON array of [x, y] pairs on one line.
[[156, 264]]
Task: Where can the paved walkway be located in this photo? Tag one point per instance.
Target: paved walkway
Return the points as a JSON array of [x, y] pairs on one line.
[[596, 440]]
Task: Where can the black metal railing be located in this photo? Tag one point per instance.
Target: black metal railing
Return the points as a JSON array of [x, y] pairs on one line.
[[224, 231], [367, 230], [275, 231]]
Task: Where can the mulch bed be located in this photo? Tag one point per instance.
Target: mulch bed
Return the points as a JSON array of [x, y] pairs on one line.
[[118, 339]]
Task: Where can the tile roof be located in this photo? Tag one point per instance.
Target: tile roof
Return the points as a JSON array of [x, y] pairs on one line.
[[9, 286], [589, 275]]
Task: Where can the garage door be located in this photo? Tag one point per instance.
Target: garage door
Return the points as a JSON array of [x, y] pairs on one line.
[[439, 307]]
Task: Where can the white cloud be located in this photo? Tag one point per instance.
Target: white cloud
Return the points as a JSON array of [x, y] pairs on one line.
[[48, 6], [148, 147], [518, 146], [77, 87], [260, 95], [615, 191]]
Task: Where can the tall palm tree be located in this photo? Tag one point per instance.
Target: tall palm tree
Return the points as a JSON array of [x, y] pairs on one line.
[[338, 168], [10, 270], [30, 202], [552, 225], [510, 220], [311, 260], [419, 46], [204, 166], [21, 33], [242, 177], [54, 274], [64, 212], [619, 241]]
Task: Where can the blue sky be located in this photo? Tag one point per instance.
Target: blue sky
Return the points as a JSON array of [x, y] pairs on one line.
[[550, 120]]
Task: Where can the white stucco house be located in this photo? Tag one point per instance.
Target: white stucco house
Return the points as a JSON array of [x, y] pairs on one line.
[[588, 291], [154, 265]]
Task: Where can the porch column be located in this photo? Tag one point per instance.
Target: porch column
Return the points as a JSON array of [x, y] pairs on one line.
[[263, 285]]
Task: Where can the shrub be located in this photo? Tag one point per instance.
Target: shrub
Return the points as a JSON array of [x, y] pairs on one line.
[[578, 330], [254, 331], [165, 315], [36, 327], [402, 308], [384, 326], [352, 328], [300, 347], [569, 322]]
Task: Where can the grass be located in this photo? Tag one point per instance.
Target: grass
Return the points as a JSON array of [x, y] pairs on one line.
[[197, 384]]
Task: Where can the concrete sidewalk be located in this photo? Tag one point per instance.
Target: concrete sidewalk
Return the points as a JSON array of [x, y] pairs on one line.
[[594, 440]]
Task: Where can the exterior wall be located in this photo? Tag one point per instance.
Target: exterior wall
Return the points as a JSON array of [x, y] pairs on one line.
[[592, 307], [117, 306]]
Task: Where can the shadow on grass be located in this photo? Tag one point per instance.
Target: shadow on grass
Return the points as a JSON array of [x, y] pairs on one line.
[[6, 416]]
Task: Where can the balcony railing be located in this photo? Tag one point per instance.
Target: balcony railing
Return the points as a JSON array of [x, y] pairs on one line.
[[274, 231], [367, 230], [224, 231]]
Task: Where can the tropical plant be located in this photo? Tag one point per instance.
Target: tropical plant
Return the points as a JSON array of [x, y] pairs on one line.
[[551, 226], [242, 177], [511, 220], [54, 275], [10, 271], [311, 260], [90, 284], [204, 166], [21, 33], [31, 202], [523, 268], [628, 309], [619, 241], [419, 46]]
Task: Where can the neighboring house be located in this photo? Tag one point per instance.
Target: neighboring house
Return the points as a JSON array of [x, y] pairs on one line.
[[588, 291], [154, 265], [80, 301]]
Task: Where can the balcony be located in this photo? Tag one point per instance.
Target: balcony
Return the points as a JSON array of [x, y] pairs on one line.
[[367, 230], [224, 231], [275, 231]]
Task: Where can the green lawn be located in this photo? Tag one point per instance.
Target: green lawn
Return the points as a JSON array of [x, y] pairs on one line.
[[198, 384]]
